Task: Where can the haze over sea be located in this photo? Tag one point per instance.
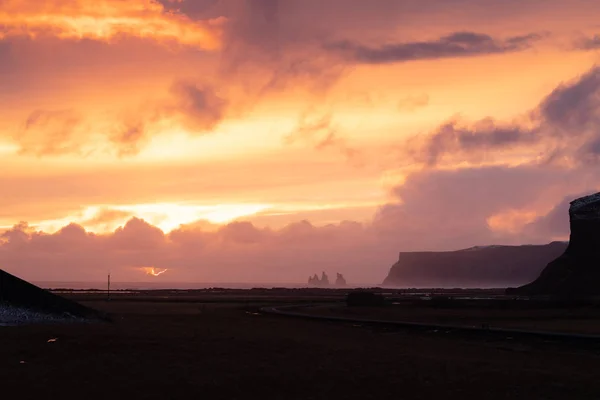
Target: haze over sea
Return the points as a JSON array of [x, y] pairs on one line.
[[171, 285], [230, 285]]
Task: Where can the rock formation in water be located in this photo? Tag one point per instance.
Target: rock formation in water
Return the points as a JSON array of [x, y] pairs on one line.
[[323, 282], [313, 280], [324, 279], [489, 266], [577, 271], [340, 281]]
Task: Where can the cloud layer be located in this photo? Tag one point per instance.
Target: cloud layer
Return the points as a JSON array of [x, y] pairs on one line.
[[431, 211], [564, 128], [105, 20], [457, 44]]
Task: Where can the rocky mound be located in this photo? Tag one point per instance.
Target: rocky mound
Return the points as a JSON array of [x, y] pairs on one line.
[[491, 266], [577, 271], [20, 301]]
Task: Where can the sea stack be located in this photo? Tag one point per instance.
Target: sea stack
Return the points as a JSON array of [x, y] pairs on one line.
[[340, 281], [576, 272]]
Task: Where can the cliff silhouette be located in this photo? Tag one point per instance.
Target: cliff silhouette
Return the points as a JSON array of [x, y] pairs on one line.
[[577, 271], [498, 266]]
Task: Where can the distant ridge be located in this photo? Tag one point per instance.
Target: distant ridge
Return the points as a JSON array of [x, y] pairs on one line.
[[493, 246], [480, 266]]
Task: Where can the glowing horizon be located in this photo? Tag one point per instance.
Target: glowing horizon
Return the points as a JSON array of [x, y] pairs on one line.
[[153, 271]]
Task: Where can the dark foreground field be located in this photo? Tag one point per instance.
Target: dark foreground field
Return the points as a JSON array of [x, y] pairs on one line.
[[164, 349], [568, 319]]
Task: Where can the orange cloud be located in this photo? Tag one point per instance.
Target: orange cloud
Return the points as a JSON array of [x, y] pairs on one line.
[[105, 20], [195, 108], [512, 221]]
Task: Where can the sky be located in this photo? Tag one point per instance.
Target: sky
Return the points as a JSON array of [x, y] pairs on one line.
[[268, 140]]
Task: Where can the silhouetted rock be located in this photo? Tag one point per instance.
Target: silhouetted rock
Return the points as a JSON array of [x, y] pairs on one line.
[[340, 281], [364, 299], [313, 280], [577, 271], [323, 282], [316, 282], [324, 279], [498, 266], [18, 297]]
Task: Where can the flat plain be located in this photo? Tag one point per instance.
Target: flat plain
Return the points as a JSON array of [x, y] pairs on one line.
[[219, 346], [569, 320]]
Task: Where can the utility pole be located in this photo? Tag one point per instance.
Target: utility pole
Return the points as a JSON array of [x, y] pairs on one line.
[[108, 288]]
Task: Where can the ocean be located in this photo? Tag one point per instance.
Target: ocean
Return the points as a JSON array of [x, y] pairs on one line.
[[165, 285]]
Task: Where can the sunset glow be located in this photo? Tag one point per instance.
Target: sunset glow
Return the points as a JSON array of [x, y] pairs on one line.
[[264, 140], [153, 271], [167, 217], [105, 20]]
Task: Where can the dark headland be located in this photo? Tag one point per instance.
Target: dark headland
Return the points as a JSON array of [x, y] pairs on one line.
[[577, 271], [491, 266]]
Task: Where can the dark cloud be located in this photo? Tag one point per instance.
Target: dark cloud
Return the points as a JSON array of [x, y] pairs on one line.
[[199, 106], [357, 18], [458, 44], [591, 43], [193, 8], [253, 34], [484, 136], [566, 125], [589, 153], [574, 106], [315, 72], [571, 114], [266, 52], [5, 56]]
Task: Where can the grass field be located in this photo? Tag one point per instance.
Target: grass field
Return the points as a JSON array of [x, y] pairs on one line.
[[164, 349], [585, 320]]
